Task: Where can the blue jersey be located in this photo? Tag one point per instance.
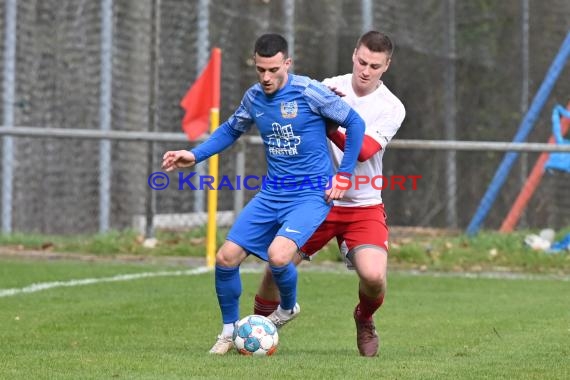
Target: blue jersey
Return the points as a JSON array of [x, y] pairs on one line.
[[293, 131]]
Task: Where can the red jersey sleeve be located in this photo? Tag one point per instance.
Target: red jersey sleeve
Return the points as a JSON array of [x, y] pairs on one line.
[[369, 146]]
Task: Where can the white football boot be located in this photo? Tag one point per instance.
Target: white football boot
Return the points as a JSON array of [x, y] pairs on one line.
[[281, 317], [223, 345]]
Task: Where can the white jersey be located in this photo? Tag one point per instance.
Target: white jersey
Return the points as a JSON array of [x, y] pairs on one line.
[[383, 114]]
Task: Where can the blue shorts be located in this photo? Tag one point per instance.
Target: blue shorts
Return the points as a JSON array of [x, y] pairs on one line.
[[261, 220]]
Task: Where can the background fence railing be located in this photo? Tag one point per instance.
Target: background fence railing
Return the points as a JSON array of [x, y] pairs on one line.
[[83, 209]]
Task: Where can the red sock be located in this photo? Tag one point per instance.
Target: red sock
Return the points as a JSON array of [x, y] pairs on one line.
[[367, 306], [264, 307]]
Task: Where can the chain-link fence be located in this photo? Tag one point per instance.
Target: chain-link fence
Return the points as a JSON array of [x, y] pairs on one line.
[[464, 69]]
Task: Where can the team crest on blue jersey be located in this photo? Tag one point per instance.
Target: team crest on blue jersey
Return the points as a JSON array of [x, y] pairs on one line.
[[283, 141], [289, 109]]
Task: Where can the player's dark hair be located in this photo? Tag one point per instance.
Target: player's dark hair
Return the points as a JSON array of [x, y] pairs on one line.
[[377, 42], [270, 44]]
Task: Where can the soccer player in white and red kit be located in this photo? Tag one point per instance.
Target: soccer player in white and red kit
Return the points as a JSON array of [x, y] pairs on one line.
[[358, 220]]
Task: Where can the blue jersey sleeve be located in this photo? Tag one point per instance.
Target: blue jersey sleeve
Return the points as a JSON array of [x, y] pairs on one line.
[[242, 120], [354, 137], [326, 103], [222, 138], [229, 131]]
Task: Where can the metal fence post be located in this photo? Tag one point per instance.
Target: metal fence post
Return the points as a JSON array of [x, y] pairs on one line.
[[105, 106], [8, 100], [152, 115]]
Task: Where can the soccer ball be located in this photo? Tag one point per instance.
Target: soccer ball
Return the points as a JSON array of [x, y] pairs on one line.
[[255, 335]]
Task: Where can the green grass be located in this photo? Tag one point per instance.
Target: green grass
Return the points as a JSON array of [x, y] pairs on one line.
[[484, 252], [441, 252], [171, 243], [161, 327]]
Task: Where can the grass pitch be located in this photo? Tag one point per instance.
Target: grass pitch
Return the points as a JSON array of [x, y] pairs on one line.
[[161, 327]]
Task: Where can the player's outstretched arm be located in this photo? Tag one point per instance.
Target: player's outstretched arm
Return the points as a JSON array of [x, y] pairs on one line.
[[355, 127], [369, 146], [176, 159]]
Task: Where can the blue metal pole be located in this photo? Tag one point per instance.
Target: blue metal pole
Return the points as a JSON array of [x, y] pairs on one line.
[[524, 129]]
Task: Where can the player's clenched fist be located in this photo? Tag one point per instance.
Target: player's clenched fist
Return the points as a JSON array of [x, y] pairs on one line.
[[176, 159]]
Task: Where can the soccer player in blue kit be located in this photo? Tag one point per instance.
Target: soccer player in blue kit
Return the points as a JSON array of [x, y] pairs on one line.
[[289, 111]]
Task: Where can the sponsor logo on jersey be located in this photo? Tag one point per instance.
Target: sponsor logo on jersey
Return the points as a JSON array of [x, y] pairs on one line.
[[289, 109], [283, 141]]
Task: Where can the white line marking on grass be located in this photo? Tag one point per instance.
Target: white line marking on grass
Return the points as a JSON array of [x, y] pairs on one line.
[[88, 281], [191, 272], [120, 277]]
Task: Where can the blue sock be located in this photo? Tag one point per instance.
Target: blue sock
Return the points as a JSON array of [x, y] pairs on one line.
[[228, 289], [286, 280]]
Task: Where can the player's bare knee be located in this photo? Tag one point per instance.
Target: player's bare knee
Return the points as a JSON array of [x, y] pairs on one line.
[[375, 281], [225, 258], [221, 259], [279, 256], [230, 255], [278, 260]]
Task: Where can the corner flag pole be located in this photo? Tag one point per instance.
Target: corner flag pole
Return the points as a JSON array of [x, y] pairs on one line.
[[212, 196], [211, 241]]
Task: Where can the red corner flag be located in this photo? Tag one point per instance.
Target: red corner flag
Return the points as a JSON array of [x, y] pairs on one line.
[[202, 96]]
